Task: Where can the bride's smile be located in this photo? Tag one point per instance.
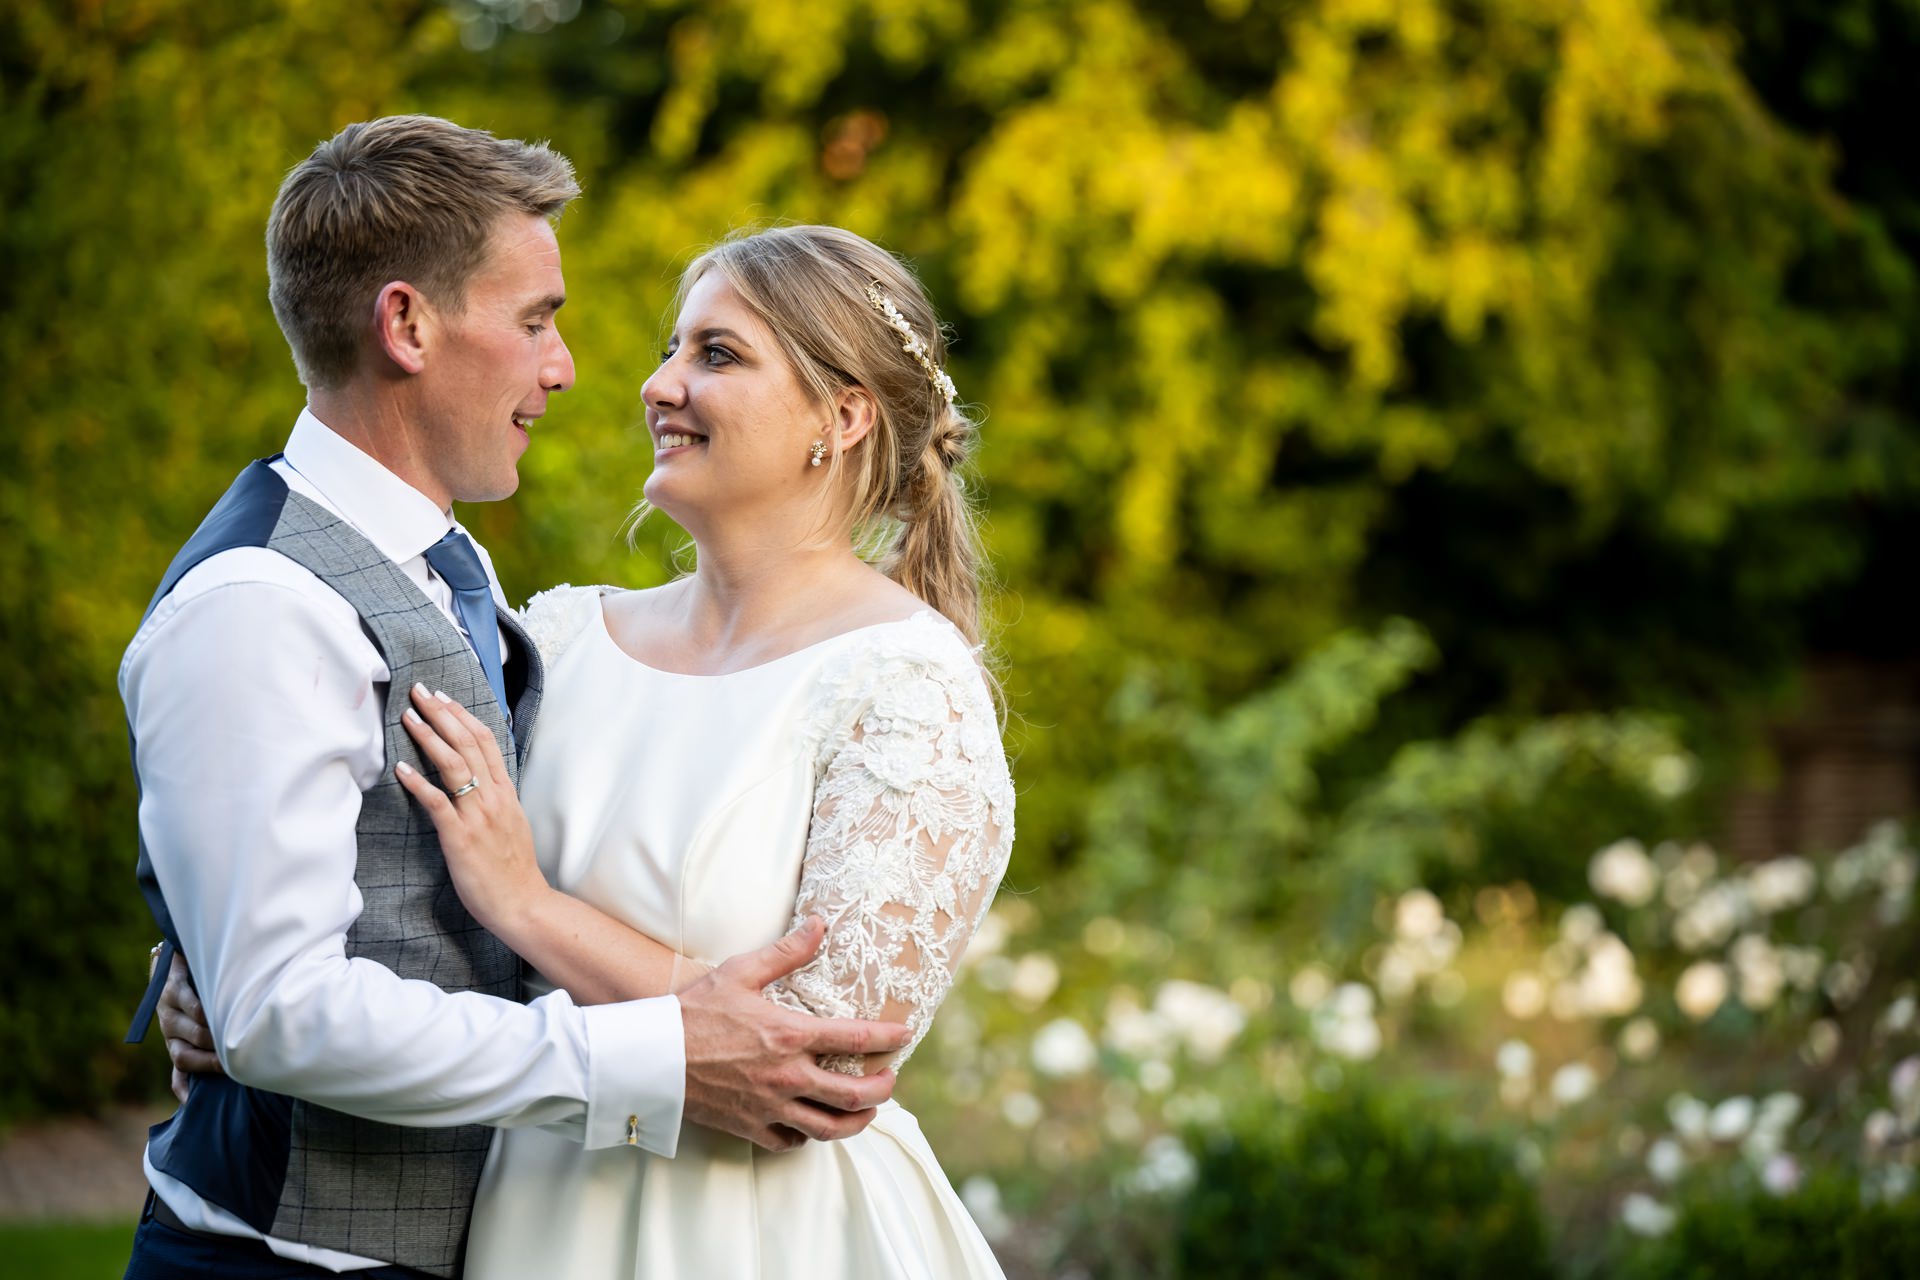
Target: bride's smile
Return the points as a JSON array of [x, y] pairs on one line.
[[666, 440]]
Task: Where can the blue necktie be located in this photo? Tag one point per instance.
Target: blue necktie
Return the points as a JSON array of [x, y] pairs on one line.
[[455, 560]]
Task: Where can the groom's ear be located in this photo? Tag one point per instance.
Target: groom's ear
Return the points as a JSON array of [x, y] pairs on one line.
[[401, 323]]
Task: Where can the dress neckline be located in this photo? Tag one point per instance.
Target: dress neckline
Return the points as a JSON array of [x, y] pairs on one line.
[[600, 626]]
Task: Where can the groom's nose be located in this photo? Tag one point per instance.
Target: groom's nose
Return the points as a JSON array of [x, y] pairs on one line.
[[556, 372]]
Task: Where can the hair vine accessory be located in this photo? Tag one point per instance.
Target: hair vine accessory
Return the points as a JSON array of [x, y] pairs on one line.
[[913, 345], [816, 453]]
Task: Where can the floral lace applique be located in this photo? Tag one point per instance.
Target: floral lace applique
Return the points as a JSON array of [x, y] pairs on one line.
[[912, 828], [558, 616]]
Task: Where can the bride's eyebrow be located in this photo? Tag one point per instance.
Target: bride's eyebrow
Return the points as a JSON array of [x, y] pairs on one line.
[[707, 335]]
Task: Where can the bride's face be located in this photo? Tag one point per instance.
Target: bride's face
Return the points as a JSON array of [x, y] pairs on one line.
[[730, 421]]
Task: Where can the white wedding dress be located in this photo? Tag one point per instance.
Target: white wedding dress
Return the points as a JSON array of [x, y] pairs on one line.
[[862, 779]]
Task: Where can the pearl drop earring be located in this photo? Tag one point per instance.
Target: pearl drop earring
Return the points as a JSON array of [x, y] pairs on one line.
[[818, 452]]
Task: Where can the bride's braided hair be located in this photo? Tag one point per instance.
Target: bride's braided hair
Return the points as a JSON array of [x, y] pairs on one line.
[[810, 285]]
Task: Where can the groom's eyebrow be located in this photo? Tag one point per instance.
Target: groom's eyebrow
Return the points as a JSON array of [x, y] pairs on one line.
[[545, 305]]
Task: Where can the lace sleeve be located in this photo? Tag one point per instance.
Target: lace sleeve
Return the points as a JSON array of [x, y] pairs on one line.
[[912, 828]]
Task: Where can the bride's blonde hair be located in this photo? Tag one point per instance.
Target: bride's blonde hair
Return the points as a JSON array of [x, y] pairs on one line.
[[809, 286]]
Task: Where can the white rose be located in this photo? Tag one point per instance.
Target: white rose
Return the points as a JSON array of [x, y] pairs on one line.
[[1063, 1048]]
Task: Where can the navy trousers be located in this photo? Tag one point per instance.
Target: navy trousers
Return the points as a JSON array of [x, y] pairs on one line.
[[161, 1252]]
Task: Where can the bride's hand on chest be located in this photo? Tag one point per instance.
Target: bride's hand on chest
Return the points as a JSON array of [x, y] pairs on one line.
[[484, 833]]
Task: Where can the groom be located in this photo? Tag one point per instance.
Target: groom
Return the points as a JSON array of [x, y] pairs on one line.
[[368, 1026]]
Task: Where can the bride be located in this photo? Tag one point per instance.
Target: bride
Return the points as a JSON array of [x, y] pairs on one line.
[[788, 731]]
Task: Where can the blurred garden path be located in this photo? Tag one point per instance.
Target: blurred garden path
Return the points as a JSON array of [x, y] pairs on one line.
[[77, 1169]]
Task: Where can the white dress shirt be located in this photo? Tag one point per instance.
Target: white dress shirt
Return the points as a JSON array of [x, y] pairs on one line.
[[257, 714]]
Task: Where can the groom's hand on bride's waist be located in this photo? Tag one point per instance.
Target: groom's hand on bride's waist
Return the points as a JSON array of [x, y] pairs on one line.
[[751, 1068], [184, 1023]]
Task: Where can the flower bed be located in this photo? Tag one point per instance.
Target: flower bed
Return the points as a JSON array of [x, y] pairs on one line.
[[1695, 1053]]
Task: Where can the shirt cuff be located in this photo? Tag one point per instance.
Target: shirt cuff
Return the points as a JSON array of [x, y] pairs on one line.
[[636, 1075]]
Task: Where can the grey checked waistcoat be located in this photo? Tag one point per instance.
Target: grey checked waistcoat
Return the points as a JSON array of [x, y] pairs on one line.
[[292, 1169]]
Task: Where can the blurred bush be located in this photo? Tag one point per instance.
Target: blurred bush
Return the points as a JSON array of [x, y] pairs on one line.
[[1832, 1228], [1352, 1187], [1286, 805]]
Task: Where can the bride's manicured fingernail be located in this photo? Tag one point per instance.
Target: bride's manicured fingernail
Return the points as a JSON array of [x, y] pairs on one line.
[[403, 766], [411, 716], [443, 697], [420, 689]]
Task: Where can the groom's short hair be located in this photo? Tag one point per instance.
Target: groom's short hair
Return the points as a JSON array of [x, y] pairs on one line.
[[411, 198]]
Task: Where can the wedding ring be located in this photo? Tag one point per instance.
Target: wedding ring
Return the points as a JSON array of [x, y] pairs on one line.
[[473, 784]]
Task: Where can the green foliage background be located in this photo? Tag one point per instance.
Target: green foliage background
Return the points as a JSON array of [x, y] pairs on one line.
[[1345, 1191], [1545, 364]]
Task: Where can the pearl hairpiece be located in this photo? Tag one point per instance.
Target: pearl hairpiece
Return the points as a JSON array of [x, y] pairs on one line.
[[914, 345]]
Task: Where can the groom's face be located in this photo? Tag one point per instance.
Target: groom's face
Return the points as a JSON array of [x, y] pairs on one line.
[[496, 364]]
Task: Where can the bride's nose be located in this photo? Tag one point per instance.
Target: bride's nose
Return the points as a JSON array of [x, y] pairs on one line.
[[666, 389]]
